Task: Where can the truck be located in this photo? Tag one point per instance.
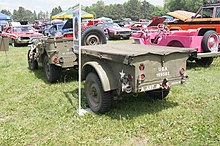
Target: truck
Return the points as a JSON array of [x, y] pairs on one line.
[[114, 69]]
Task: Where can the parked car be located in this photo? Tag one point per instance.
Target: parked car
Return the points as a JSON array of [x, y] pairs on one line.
[[137, 26], [208, 16], [53, 29], [205, 43], [114, 31], [150, 25], [20, 35], [39, 25]]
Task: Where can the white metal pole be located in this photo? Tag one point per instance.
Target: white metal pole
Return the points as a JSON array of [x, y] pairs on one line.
[[79, 72]]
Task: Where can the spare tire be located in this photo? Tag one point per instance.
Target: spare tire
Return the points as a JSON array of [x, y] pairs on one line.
[[210, 41], [93, 35]]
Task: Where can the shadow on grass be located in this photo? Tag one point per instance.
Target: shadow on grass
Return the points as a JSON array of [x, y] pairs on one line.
[[135, 106], [66, 76], [129, 106], [192, 65], [72, 98]]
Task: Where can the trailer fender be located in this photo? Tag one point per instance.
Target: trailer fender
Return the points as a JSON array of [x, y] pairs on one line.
[[104, 72]]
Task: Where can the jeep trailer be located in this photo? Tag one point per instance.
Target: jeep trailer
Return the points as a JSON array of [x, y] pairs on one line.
[[130, 68]]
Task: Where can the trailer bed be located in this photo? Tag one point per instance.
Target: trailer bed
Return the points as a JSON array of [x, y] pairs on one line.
[[132, 50]]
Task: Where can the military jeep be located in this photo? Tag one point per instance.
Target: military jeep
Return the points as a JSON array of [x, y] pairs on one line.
[[56, 53]]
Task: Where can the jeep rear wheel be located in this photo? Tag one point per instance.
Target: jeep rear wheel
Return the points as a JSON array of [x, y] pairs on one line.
[[52, 72], [158, 93], [99, 101], [210, 41], [93, 36], [32, 64]]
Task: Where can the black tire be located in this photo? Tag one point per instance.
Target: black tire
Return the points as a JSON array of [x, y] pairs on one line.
[[14, 44], [206, 38], [158, 94], [204, 61], [93, 35], [126, 38], [52, 72], [32, 64], [99, 101]]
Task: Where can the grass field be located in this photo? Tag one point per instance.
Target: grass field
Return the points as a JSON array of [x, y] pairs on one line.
[[34, 112]]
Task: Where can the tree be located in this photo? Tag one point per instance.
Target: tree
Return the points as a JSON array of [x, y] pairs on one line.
[[187, 5], [133, 9], [22, 14], [35, 15], [6, 12], [55, 11], [40, 15]]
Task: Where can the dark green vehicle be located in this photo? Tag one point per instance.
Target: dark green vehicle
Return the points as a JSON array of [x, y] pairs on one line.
[[56, 54], [109, 69]]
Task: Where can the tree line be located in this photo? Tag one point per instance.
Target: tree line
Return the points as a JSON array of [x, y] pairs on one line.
[[134, 9]]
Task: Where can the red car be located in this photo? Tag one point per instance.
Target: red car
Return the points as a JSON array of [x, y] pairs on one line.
[[20, 35], [152, 24]]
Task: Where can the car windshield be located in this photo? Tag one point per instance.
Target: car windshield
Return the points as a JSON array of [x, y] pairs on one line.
[[23, 29], [145, 24], [60, 26], [111, 25]]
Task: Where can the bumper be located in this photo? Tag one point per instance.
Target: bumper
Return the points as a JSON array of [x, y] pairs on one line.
[[148, 86], [209, 54]]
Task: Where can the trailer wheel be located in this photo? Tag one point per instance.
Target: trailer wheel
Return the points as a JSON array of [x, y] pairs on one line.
[[158, 94], [204, 61], [99, 101], [93, 36], [52, 72], [32, 64], [210, 41]]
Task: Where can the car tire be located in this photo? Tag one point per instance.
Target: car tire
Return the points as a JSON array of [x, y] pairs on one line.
[[204, 61], [32, 64], [93, 35], [99, 101], [126, 38], [52, 72], [158, 93], [14, 44], [209, 38]]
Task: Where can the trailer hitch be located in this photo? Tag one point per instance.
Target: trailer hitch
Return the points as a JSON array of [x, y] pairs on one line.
[[165, 84]]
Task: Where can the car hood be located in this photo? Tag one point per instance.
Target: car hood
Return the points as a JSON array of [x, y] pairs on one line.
[[28, 34], [181, 15], [119, 29], [156, 20]]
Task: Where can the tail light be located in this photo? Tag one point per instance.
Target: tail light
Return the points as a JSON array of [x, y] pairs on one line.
[[141, 67], [130, 77], [55, 60]]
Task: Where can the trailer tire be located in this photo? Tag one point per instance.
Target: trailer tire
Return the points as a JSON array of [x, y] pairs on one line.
[[204, 61], [32, 64], [93, 35], [52, 72], [209, 40], [99, 101], [158, 93]]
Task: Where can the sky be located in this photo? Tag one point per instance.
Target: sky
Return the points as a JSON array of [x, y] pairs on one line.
[[48, 5]]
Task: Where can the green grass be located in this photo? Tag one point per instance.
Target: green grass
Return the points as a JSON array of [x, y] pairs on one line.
[[33, 112]]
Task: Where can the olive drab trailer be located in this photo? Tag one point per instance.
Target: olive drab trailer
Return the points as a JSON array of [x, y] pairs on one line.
[[130, 68]]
